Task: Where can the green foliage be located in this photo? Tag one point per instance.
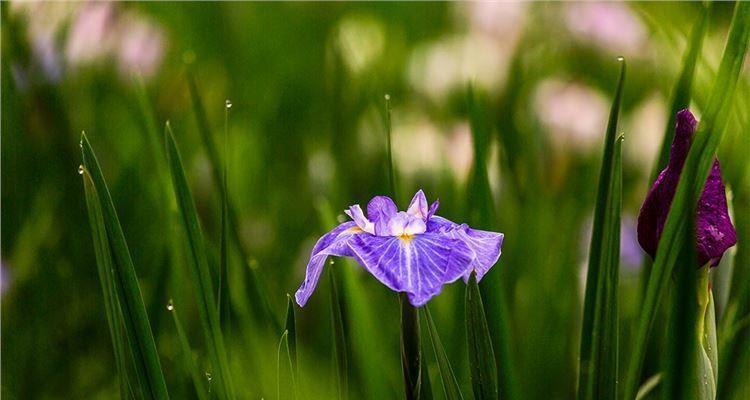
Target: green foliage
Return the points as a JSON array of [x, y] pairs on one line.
[[127, 291], [341, 370], [199, 380], [695, 171], [481, 356], [599, 357], [447, 378], [519, 153], [201, 276]]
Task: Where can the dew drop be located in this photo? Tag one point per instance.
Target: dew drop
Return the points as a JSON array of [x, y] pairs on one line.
[[228, 103], [387, 96], [170, 305], [209, 378], [80, 170], [620, 58], [330, 262]]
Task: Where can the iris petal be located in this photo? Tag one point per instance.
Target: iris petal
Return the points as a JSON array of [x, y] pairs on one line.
[[356, 214], [419, 265], [380, 210], [333, 243], [418, 205], [485, 245]]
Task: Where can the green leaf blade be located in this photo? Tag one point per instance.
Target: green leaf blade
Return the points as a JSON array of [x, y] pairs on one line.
[[135, 320], [481, 355], [599, 337], [448, 378], [286, 387], [199, 381], [201, 276], [339, 342]]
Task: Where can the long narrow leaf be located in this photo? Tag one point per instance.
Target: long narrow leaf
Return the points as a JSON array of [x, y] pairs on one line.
[[286, 385], [200, 272], [339, 341], [597, 376], [694, 174], [257, 293], [107, 280], [291, 327], [680, 361], [734, 338], [683, 88], [481, 355], [135, 320], [482, 215], [450, 383], [199, 381]]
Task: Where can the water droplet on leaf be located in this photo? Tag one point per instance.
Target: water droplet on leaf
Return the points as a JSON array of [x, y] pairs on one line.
[[80, 170], [170, 305], [228, 103]]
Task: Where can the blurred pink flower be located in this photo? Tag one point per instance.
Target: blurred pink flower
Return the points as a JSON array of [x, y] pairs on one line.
[[610, 25], [91, 33], [575, 115], [140, 47]]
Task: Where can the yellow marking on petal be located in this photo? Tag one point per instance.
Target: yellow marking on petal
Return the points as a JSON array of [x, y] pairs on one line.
[[354, 229], [406, 238]]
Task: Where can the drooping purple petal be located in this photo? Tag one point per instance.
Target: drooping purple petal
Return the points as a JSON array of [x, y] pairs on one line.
[[333, 243], [419, 265], [714, 230], [437, 223], [379, 211], [418, 205], [485, 245]]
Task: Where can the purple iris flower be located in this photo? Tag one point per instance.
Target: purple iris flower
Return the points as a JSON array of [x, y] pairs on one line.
[[415, 251], [714, 230]]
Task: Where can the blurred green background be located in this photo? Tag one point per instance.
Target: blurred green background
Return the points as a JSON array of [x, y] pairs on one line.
[[306, 138]]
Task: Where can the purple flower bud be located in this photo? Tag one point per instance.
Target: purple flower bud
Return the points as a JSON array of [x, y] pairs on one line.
[[714, 230]]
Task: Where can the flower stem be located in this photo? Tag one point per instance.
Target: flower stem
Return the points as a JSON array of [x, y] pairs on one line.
[[389, 149], [410, 348]]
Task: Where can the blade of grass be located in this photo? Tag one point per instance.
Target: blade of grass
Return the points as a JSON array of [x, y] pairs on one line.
[[481, 355], [734, 339], [450, 383], [285, 387], [199, 380], [679, 363], [339, 342], [694, 174], [291, 327], [104, 265], [682, 91], [200, 272], [135, 320], [223, 293], [260, 301], [599, 353], [482, 215]]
